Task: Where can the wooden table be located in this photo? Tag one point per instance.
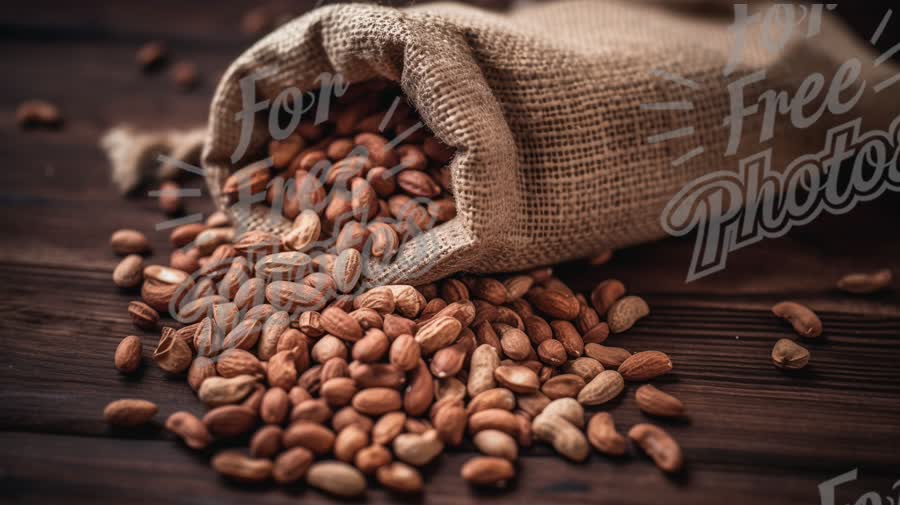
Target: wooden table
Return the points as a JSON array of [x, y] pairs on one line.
[[754, 435]]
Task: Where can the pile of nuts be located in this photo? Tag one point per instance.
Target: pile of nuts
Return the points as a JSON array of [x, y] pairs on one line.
[[334, 388], [334, 380]]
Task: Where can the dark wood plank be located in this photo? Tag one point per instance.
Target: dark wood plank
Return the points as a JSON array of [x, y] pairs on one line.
[[56, 374], [42, 468]]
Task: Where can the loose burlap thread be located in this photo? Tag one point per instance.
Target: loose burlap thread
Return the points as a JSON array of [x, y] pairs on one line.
[[543, 106]]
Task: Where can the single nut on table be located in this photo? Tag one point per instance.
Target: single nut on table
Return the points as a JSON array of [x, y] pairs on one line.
[[602, 434], [625, 312], [645, 365], [151, 54], [400, 478], [127, 241], [865, 283], [129, 273], [128, 354], [487, 471], [337, 478], [804, 321], [789, 355], [657, 403], [129, 412], [189, 429], [659, 445], [240, 468], [38, 113]]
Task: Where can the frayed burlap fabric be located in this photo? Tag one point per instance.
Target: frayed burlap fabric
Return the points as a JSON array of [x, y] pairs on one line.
[[548, 108]]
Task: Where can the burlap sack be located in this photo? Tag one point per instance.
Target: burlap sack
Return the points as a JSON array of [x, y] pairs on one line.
[[544, 108]]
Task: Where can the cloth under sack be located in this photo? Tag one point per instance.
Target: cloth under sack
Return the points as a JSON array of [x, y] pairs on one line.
[[550, 109]]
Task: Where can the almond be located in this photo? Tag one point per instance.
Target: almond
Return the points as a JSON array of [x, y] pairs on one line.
[[405, 352], [606, 294], [129, 242], [514, 342], [129, 412], [645, 365], [438, 333], [338, 323], [129, 272], [347, 270], [128, 354], [609, 357], [487, 471], [657, 403], [555, 304], [584, 367], [566, 333]]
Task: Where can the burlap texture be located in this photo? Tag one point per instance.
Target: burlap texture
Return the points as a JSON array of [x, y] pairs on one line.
[[544, 108]]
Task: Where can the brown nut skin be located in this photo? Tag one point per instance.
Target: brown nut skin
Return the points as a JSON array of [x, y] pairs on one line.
[[487, 471], [291, 465], [129, 412], [128, 354], [659, 445], [865, 283], [804, 321], [189, 429], [602, 434], [788, 355]]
